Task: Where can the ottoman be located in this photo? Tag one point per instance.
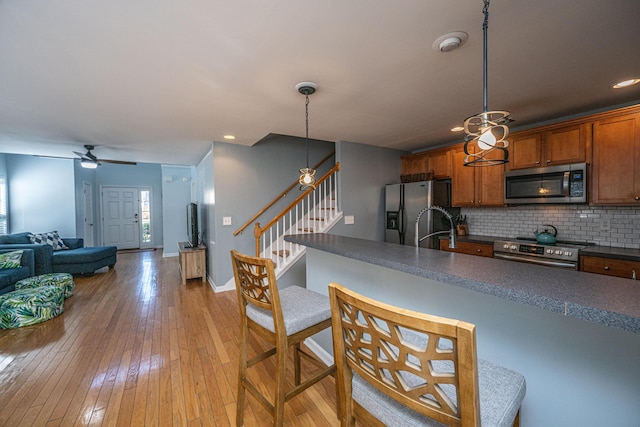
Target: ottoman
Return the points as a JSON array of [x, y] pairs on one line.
[[84, 261], [30, 306], [61, 280]]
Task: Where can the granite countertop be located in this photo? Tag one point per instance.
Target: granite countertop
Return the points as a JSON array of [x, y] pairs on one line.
[[610, 301]]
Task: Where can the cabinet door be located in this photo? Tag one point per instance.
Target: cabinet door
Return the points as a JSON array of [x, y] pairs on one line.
[[616, 161], [469, 248], [490, 185], [440, 163], [413, 164], [565, 145], [462, 180], [525, 151], [610, 267]]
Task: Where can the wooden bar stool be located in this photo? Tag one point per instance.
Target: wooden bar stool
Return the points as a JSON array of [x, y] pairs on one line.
[[283, 318], [399, 367]]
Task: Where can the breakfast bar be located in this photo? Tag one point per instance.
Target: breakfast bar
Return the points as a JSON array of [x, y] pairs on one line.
[[575, 336]]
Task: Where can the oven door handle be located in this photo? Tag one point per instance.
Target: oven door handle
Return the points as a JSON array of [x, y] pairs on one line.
[[536, 261]]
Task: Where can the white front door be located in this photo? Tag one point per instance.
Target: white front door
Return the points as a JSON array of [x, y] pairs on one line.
[[87, 194], [120, 213]]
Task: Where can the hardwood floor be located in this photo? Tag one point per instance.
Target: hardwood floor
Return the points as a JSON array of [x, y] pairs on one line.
[[136, 348]]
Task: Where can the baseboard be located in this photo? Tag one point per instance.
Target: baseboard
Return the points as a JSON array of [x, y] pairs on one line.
[[169, 254], [229, 286], [320, 352]]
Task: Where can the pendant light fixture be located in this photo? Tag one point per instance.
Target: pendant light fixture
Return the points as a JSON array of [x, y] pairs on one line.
[[307, 175], [488, 129]]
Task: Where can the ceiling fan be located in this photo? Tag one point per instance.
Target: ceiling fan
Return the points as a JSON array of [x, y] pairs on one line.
[[90, 161]]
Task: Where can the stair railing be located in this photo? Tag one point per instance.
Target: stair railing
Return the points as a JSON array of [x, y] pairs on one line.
[[280, 196], [302, 215]]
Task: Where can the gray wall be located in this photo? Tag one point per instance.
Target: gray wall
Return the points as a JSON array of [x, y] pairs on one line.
[[177, 182], [41, 196], [364, 171]]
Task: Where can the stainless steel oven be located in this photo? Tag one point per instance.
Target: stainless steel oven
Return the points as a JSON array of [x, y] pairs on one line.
[[561, 255]]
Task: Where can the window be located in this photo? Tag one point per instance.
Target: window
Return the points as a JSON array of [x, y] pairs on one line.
[[145, 214], [3, 205]]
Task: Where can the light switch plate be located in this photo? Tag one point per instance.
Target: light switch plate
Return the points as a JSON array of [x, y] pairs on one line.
[[226, 220], [349, 219]]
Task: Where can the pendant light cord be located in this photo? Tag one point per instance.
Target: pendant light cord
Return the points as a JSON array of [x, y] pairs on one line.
[[306, 110], [485, 27]]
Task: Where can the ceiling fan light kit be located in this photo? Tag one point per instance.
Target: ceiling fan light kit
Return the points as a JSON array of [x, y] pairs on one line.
[[488, 130], [307, 178]]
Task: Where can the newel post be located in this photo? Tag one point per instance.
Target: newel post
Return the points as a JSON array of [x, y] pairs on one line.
[[257, 232]]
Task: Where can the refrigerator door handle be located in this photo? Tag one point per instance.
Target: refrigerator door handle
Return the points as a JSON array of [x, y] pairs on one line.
[[402, 224]]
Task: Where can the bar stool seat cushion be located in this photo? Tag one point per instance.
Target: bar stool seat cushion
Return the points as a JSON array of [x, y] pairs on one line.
[[301, 308], [61, 280], [501, 394], [30, 306]]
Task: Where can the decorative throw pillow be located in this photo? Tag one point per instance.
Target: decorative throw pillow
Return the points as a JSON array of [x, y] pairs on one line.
[[10, 260], [52, 238]]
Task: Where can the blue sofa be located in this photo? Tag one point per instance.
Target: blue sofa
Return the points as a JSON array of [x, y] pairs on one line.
[[9, 277], [75, 260]]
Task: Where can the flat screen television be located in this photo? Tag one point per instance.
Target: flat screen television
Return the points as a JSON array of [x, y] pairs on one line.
[[192, 225]]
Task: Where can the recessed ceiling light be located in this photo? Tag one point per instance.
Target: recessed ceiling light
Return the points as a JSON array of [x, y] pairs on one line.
[[229, 137], [457, 129], [450, 41], [626, 83]]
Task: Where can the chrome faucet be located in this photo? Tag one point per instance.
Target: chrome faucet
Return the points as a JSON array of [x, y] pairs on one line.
[[452, 232]]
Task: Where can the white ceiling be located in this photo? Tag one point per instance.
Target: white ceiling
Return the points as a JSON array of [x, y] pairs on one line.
[[159, 80]]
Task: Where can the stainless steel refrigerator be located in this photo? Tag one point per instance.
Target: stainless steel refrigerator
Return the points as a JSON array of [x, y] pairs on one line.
[[405, 201]]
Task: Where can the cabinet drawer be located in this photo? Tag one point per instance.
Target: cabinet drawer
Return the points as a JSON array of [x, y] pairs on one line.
[[610, 266], [468, 248]]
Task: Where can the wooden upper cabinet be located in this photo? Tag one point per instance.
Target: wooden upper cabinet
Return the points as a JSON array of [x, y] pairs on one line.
[[525, 150], [475, 185], [616, 161], [554, 146], [439, 161], [436, 161]]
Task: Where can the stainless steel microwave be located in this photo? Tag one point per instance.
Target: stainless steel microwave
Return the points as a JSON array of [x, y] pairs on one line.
[[552, 184]]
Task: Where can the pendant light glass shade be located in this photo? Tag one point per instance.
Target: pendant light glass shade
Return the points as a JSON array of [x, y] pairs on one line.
[[486, 140], [307, 175]]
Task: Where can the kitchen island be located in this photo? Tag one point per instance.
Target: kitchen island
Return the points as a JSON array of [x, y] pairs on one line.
[[575, 336]]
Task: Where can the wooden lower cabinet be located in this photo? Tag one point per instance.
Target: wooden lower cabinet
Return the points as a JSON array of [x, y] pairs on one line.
[[610, 266], [192, 262], [468, 248]]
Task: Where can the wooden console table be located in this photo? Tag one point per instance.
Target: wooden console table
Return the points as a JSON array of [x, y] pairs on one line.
[[192, 262]]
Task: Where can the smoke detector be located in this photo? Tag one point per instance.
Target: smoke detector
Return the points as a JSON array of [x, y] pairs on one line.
[[450, 41]]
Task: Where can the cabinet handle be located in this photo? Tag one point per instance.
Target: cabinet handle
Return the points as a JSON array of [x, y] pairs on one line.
[[478, 250], [537, 162], [548, 161], [636, 198], [606, 267], [633, 274]]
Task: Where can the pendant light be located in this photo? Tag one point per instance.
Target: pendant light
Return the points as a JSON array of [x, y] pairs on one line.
[[307, 175], [488, 129]]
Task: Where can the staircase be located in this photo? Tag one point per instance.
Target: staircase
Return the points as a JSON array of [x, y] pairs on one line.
[[313, 211]]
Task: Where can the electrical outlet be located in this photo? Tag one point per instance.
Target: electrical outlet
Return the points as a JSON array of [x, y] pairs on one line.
[[605, 224], [349, 219], [226, 220]]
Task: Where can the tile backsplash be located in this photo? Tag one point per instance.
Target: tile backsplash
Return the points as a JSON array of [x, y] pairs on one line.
[[604, 226]]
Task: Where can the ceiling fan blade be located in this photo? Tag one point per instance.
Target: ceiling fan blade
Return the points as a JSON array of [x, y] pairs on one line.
[[82, 155], [118, 162]]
